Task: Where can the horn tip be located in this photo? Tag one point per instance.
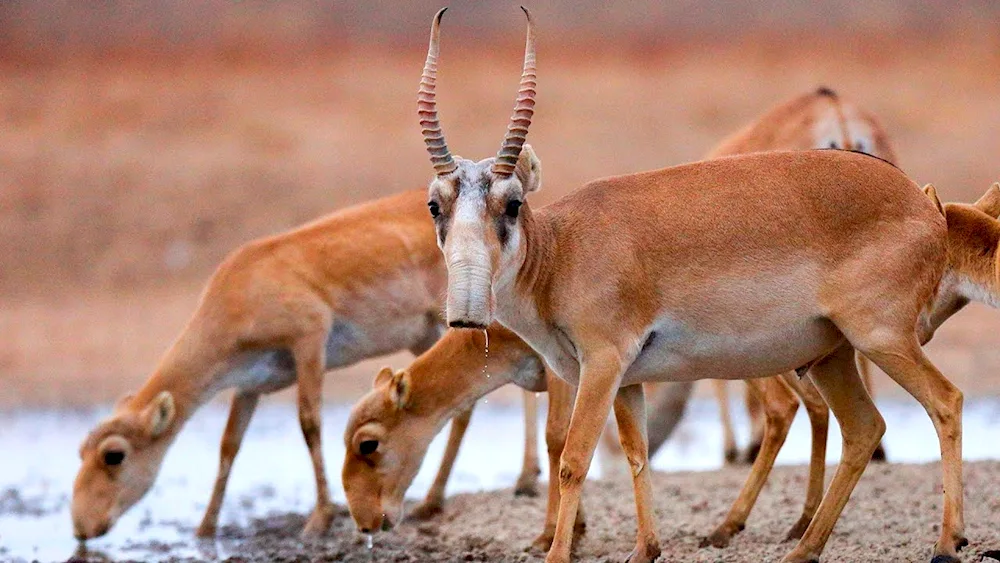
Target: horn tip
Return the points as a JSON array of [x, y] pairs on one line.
[[526, 12], [437, 17]]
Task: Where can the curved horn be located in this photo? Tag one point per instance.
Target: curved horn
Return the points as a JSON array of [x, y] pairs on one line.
[[427, 105], [524, 108]]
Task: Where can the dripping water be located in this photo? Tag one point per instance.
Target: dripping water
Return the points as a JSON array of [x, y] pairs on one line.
[[486, 360], [369, 542]]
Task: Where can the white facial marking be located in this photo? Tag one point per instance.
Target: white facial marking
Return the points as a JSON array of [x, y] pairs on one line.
[[827, 132]]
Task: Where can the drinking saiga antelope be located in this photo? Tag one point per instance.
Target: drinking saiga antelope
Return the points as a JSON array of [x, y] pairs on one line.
[[737, 268], [363, 282], [391, 427]]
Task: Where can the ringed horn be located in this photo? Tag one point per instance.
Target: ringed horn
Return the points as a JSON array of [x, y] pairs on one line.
[[517, 130]]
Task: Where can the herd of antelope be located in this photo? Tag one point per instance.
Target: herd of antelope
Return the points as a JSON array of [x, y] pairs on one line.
[[766, 262]]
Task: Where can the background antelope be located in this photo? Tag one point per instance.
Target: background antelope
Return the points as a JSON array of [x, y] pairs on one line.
[[820, 118], [738, 266], [363, 282]]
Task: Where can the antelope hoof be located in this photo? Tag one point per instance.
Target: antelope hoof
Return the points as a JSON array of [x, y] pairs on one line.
[[793, 557], [732, 456], [721, 536], [753, 450], [205, 530], [879, 453], [945, 559], [526, 486], [542, 543], [318, 523], [646, 552], [991, 554], [795, 533], [426, 510]]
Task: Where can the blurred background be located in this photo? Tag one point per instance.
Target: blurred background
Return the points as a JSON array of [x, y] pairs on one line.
[[140, 142]]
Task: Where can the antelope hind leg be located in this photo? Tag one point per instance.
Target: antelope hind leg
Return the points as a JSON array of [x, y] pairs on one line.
[[819, 421], [779, 406], [861, 426]]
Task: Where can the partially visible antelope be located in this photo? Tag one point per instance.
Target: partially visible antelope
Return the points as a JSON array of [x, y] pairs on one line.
[[973, 272], [738, 267], [390, 428], [362, 282], [820, 118]]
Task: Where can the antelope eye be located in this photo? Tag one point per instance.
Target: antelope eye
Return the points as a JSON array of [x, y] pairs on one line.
[[368, 447], [833, 144], [114, 457], [434, 208], [513, 208]]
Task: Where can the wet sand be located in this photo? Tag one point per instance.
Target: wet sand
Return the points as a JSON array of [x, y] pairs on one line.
[[892, 516]]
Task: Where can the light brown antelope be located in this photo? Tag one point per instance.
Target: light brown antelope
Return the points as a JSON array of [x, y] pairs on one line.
[[973, 258], [360, 283], [390, 428], [739, 267], [818, 119]]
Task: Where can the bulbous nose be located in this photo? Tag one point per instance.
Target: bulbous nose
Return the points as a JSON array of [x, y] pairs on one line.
[[81, 531]]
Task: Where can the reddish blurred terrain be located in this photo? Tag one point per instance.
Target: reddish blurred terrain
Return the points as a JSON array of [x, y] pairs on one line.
[[141, 143]]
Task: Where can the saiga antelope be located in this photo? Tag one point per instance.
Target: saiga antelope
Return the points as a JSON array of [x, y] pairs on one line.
[[390, 428], [820, 118], [360, 283], [738, 267], [405, 436]]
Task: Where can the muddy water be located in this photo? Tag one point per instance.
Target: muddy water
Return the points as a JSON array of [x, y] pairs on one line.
[[272, 487]]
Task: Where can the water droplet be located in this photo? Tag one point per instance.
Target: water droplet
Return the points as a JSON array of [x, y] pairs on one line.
[[486, 360], [369, 542]]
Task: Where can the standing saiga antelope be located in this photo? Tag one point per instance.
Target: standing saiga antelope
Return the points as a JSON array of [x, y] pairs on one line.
[[363, 282], [820, 118], [400, 431], [738, 267]]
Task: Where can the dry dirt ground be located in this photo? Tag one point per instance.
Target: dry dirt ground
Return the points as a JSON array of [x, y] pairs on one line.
[[892, 516]]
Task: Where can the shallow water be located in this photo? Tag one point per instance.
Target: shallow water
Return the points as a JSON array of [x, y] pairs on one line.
[[273, 475]]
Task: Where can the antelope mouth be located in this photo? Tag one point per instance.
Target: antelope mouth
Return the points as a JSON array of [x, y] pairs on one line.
[[467, 324]]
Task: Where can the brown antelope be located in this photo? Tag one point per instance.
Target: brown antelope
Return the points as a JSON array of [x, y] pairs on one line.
[[738, 267], [818, 119], [973, 258], [390, 428], [362, 282]]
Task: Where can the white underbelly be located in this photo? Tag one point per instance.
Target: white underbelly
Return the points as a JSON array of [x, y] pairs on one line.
[[267, 371], [680, 354]]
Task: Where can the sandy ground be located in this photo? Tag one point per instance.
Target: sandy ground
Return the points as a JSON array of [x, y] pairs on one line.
[[892, 516]]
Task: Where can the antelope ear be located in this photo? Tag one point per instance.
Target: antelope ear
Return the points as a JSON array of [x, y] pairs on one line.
[[930, 192], [383, 375], [529, 170], [399, 389], [990, 202], [156, 417]]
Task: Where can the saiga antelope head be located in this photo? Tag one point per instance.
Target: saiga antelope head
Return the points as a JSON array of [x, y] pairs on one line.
[[478, 206], [385, 445], [119, 462]]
